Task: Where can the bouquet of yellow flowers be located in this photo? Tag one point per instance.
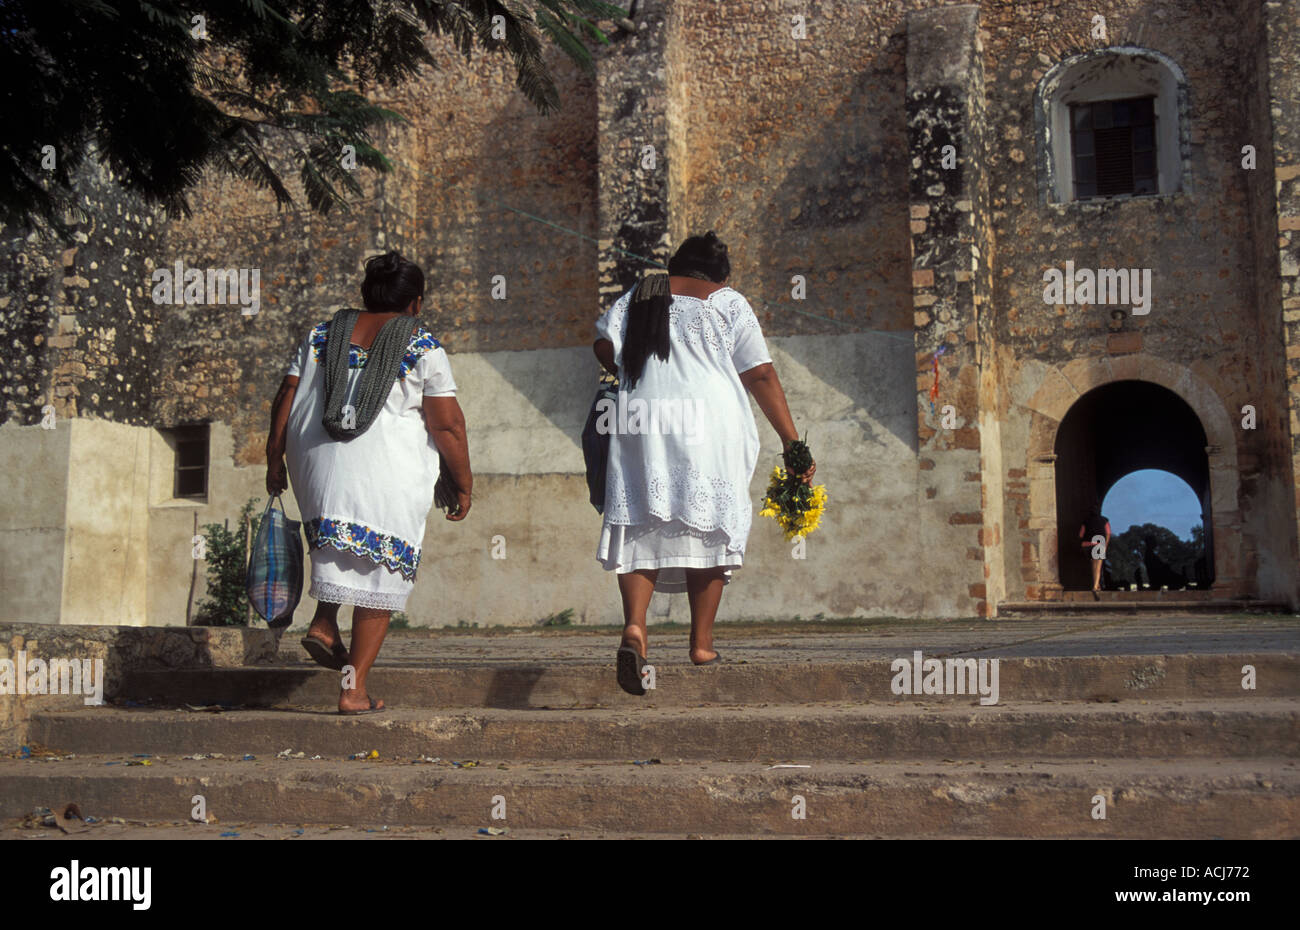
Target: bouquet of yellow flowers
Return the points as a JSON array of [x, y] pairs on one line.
[[798, 507]]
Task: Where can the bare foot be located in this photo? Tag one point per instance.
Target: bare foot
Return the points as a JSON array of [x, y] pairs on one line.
[[699, 655], [357, 700], [635, 638], [326, 631]]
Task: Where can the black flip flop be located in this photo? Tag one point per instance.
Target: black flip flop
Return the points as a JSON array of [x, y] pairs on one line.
[[321, 654], [630, 664], [716, 660], [372, 709]]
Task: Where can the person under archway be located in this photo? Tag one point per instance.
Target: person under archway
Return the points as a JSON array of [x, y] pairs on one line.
[[1095, 524]]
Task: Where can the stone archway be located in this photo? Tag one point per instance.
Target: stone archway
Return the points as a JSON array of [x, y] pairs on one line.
[[1116, 429], [1061, 388]]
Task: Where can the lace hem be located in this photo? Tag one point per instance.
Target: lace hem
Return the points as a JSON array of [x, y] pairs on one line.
[[682, 494], [341, 594]]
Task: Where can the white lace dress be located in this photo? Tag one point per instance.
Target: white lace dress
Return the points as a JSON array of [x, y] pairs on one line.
[[364, 502], [683, 443]]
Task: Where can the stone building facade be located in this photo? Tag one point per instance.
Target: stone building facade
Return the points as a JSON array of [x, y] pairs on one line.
[[896, 182]]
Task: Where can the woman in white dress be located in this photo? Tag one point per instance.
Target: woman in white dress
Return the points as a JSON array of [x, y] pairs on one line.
[[683, 444], [363, 438]]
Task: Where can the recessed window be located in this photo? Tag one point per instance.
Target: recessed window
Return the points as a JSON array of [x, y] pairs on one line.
[[191, 471], [1114, 147], [1112, 123]]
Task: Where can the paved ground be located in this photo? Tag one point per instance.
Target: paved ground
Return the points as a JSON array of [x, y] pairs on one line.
[[136, 830], [845, 641]]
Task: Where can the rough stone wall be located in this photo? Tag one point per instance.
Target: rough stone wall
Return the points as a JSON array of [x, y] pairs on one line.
[[635, 155], [478, 178], [80, 325], [950, 247], [1280, 38], [76, 322], [794, 150], [1272, 464]]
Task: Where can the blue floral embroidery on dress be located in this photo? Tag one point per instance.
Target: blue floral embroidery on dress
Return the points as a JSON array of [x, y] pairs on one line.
[[421, 342], [395, 554]]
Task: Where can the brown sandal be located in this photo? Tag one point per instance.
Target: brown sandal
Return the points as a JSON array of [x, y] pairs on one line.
[[630, 665], [372, 709], [332, 658]]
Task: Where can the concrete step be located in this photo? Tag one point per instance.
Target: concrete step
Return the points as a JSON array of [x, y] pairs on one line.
[[1081, 604], [120, 829], [1074, 678], [777, 732], [1193, 798]]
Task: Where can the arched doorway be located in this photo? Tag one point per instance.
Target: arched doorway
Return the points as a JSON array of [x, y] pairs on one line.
[[1111, 431]]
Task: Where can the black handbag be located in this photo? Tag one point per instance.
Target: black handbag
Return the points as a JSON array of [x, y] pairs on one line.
[[595, 446]]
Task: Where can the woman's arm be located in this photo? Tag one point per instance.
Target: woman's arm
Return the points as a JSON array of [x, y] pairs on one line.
[[604, 350], [445, 422], [276, 479], [763, 383]]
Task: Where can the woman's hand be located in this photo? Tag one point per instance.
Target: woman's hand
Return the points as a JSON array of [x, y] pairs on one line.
[[445, 422], [806, 476], [462, 507], [604, 350], [276, 479]]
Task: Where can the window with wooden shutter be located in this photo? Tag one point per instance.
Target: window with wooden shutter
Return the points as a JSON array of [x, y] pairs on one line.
[[1114, 147]]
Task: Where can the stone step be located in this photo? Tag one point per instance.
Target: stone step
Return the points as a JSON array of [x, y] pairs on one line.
[[1074, 678], [1155, 594], [1081, 604], [235, 831], [777, 732], [1184, 799]]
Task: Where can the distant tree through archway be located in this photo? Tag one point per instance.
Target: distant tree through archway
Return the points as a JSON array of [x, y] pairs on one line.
[[1157, 532], [1110, 432]]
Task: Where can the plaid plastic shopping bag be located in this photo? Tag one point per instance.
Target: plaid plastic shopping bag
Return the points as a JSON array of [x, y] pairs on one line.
[[275, 567]]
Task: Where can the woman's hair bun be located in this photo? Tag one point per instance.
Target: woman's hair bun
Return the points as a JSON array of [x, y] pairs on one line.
[[703, 256], [387, 263], [391, 283]]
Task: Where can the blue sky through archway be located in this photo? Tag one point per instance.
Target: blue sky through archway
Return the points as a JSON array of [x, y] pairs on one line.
[[1152, 496]]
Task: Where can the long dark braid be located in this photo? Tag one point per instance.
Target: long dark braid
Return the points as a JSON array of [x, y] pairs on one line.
[[647, 326], [648, 330]]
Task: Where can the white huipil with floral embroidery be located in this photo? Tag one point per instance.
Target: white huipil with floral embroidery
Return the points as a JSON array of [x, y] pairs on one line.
[[364, 501], [683, 443]]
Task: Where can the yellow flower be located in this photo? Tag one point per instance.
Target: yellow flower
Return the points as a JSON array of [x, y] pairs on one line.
[[793, 524]]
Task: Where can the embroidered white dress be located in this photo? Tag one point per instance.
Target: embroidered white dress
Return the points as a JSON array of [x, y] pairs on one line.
[[683, 443], [364, 501]]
